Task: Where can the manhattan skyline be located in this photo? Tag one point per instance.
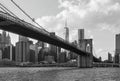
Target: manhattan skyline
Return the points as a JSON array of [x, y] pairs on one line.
[[100, 19]]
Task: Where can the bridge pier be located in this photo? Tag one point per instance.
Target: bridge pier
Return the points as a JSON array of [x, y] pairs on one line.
[[84, 62]]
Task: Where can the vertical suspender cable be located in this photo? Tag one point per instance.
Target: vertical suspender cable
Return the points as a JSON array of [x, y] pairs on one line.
[[7, 10]]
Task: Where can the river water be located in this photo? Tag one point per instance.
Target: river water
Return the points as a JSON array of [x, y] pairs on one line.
[[59, 74]]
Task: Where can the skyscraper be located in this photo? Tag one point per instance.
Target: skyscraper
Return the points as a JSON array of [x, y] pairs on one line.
[[9, 52], [67, 34], [67, 39], [22, 49], [80, 34], [53, 48], [80, 38], [117, 48], [5, 40], [109, 57]]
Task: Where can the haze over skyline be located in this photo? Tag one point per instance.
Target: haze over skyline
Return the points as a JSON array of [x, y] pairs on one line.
[[99, 18]]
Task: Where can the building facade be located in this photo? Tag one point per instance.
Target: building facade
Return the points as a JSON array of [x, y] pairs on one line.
[[5, 40], [9, 53], [109, 57], [22, 50], [117, 48], [80, 34]]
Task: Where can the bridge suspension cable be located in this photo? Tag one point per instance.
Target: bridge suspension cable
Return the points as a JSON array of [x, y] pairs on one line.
[[7, 10], [28, 15], [3, 9]]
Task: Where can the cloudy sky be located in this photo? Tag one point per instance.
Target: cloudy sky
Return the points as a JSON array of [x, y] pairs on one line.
[[99, 18]]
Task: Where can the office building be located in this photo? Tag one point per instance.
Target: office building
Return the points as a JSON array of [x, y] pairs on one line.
[[117, 48], [80, 34], [5, 40], [109, 57], [9, 53], [22, 50], [80, 38], [67, 34], [67, 39]]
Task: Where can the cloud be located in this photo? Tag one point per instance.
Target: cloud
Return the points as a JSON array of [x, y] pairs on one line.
[[82, 14], [102, 52], [114, 28], [92, 15]]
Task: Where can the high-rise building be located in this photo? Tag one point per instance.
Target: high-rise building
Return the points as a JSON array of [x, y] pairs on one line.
[[67, 34], [5, 45], [5, 40], [80, 34], [32, 52], [22, 50], [67, 39], [58, 53], [66, 31], [9, 52], [109, 57], [80, 38], [117, 48]]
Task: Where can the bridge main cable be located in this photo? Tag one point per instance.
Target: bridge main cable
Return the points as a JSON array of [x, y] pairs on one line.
[[28, 15]]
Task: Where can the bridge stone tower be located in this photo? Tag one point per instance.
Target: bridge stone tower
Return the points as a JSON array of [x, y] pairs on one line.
[[84, 45]]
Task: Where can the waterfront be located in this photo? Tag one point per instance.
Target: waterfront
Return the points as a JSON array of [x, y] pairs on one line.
[[59, 74]]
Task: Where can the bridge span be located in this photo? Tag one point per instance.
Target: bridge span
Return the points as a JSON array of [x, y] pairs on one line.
[[18, 26]]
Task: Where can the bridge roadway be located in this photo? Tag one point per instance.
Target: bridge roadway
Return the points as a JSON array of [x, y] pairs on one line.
[[18, 26]]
